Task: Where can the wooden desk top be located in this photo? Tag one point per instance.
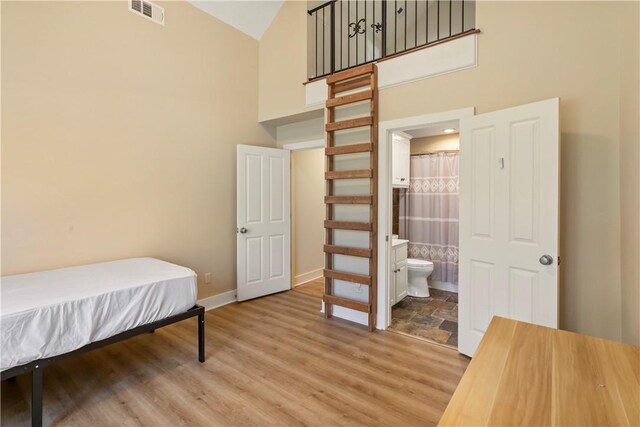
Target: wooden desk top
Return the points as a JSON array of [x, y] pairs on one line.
[[523, 374]]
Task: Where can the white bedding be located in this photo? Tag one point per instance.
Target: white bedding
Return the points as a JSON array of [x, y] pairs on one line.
[[53, 312]]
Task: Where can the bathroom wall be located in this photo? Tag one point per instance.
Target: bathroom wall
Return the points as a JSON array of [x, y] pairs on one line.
[[435, 143]]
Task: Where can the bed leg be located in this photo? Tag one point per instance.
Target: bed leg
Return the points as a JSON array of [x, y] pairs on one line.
[[201, 337], [36, 396]]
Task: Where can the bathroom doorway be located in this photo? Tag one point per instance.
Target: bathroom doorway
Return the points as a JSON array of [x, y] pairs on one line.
[[425, 229]]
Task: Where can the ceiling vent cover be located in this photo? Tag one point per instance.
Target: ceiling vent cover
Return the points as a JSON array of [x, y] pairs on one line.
[[147, 10]]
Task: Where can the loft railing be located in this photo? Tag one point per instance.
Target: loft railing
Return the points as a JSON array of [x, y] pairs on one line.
[[347, 33]]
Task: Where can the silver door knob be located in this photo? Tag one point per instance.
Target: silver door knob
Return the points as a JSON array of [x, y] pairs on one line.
[[546, 260], [243, 230]]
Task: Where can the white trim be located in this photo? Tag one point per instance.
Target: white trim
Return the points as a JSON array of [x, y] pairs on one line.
[[307, 277], [218, 300], [348, 314], [443, 286], [304, 145], [384, 195], [403, 134]]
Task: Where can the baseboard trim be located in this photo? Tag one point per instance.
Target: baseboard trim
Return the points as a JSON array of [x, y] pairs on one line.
[[215, 301], [443, 286], [350, 315], [307, 277]]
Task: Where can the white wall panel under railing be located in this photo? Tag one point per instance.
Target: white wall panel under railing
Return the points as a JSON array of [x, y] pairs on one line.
[[448, 57]]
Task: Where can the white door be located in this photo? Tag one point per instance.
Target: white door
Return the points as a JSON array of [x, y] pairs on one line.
[[508, 219], [263, 221]]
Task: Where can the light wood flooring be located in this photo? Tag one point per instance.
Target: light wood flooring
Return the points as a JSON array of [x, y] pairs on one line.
[[314, 288], [270, 361]]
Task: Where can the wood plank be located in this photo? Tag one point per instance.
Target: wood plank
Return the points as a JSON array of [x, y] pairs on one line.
[[348, 124], [347, 225], [155, 379], [350, 99], [373, 210], [329, 208], [348, 303], [349, 149], [524, 374], [348, 200], [351, 73], [494, 350], [351, 84], [344, 250], [351, 174], [347, 277], [517, 380]]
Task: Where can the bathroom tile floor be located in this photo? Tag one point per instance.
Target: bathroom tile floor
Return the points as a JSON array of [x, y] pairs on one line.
[[434, 318]]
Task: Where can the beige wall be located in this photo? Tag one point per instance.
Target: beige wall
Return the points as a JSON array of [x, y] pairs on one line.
[[431, 144], [283, 63], [530, 51], [119, 136], [630, 176], [307, 188]]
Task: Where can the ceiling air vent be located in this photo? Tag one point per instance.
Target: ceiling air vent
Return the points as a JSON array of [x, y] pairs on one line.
[[147, 10]]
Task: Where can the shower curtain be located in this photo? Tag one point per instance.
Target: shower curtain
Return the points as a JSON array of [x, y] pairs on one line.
[[429, 213]]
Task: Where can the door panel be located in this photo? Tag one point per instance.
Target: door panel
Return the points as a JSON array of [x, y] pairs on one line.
[[508, 218], [482, 180], [263, 221]]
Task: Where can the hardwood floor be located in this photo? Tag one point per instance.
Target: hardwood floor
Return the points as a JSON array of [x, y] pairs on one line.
[[270, 361], [314, 288]]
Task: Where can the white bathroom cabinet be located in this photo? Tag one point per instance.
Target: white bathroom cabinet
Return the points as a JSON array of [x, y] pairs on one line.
[[401, 155], [400, 277]]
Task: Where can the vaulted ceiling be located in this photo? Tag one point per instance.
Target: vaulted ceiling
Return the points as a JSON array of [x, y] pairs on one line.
[[252, 17]]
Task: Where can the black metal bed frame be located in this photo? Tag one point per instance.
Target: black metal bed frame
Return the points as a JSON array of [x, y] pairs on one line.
[[37, 366]]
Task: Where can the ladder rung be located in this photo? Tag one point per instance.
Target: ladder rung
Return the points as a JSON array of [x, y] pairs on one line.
[[350, 74], [347, 225], [350, 99], [348, 200], [344, 250], [345, 302], [352, 84], [349, 124], [348, 149], [352, 174], [347, 277]]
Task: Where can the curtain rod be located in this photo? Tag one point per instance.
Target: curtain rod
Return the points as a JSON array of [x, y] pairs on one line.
[[430, 153]]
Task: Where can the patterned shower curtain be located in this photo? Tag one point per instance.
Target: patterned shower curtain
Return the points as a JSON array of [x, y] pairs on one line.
[[429, 213]]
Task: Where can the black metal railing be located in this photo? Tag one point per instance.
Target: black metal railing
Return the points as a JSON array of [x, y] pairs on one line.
[[347, 33]]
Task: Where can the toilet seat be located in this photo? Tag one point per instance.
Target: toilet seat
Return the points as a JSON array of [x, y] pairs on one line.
[[419, 263]]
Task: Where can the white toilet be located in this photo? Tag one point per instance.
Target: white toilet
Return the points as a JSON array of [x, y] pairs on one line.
[[418, 271]]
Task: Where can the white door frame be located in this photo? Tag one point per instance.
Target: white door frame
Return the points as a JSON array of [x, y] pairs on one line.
[[385, 207]]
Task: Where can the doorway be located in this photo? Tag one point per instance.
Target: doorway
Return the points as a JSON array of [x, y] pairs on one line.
[[509, 198], [307, 219], [425, 229]]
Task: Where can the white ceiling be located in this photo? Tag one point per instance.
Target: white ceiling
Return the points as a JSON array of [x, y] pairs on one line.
[[252, 17], [434, 130]]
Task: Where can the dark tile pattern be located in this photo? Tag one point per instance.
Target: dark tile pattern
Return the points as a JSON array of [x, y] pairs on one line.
[[434, 318]]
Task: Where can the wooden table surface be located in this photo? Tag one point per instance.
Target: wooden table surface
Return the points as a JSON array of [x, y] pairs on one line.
[[523, 374]]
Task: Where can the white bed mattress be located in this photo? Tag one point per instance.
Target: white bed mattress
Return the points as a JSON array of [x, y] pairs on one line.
[[53, 312]]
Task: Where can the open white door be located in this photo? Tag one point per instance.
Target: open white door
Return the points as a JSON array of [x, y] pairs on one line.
[[508, 219], [263, 221]]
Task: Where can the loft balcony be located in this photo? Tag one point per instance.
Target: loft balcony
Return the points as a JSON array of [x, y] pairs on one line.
[[347, 33]]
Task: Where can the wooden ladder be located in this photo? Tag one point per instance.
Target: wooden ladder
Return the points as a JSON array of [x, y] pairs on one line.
[[365, 79]]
